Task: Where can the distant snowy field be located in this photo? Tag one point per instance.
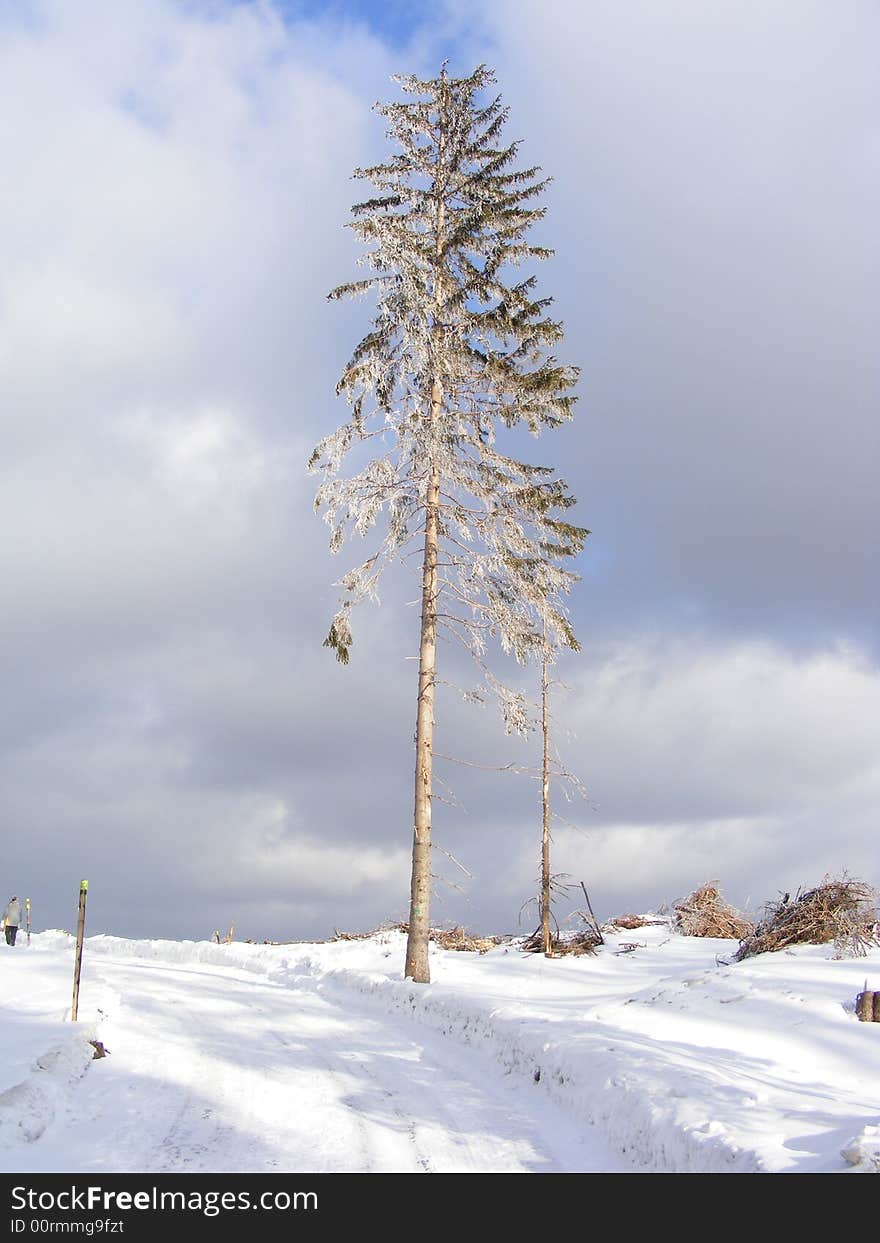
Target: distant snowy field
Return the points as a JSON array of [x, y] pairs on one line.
[[319, 1057]]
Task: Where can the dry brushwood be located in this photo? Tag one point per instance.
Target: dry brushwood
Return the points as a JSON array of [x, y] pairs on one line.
[[843, 911], [587, 941], [576, 943], [388, 926], [457, 939], [704, 913], [629, 947], [630, 922], [447, 938]]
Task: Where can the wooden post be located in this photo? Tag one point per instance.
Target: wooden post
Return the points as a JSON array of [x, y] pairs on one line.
[[80, 928], [27, 918]]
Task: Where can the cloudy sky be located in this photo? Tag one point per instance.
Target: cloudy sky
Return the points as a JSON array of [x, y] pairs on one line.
[[175, 182]]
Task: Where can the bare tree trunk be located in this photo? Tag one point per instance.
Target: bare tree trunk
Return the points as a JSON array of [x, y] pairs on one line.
[[545, 805], [417, 968]]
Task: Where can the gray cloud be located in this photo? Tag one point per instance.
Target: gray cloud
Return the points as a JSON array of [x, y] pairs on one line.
[[172, 728], [716, 174]]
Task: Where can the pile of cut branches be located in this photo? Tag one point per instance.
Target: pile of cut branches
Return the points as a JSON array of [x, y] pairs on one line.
[[630, 922], [447, 938], [388, 926], [575, 943], [843, 911], [458, 939], [704, 913]]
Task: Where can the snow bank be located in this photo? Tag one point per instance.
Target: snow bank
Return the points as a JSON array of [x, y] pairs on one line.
[[27, 1108]]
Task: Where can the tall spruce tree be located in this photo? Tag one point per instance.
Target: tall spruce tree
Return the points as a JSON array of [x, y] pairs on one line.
[[455, 354]]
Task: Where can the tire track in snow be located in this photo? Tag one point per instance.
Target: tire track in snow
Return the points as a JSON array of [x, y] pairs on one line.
[[218, 1071]]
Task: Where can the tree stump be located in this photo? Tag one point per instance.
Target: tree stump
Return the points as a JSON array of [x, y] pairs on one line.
[[868, 1007]]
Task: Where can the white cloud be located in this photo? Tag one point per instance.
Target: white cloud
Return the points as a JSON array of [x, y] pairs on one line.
[[724, 725], [266, 854], [740, 763]]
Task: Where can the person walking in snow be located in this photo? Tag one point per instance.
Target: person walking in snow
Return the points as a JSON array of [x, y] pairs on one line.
[[12, 917]]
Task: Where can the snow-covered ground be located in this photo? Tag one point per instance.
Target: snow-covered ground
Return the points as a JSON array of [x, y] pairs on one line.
[[310, 1058]]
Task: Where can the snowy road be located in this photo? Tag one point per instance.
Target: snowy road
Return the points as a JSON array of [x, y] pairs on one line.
[[212, 1069]]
